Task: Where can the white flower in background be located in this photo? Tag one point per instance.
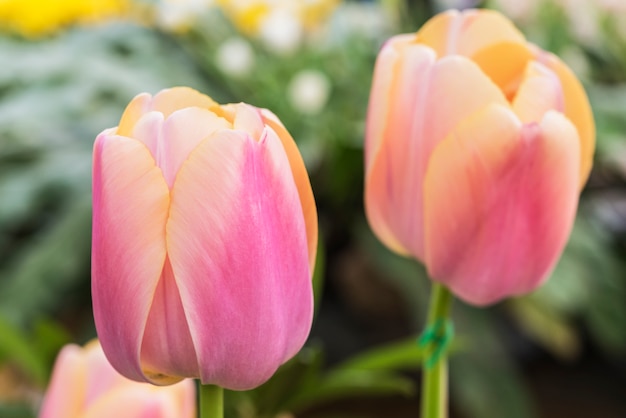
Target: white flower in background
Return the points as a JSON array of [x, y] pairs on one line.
[[281, 31], [362, 19], [180, 14], [308, 91], [584, 19], [235, 57], [280, 24]]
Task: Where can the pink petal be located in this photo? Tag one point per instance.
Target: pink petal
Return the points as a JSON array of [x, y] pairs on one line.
[[423, 104], [167, 352], [500, 200], [238, 246], [130, 207]]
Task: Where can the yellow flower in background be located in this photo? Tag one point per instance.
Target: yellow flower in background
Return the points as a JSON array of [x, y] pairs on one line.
[[249, 15], [42, 17]]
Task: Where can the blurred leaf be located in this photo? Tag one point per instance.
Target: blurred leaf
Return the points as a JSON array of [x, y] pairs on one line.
[[402, 355], [547, 327], [16, 411], [484, 380], [17, 347], [49, 267], [348, 383]]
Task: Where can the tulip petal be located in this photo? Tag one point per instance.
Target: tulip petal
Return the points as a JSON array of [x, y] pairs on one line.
[[169, 101], [133, 112], [134, 401], [248, 119], [301, 177], [540, 92], [66, 389], [504, 64], [149, 130], [167, 345], [500, 201], [466, 32], [577, 109], [182, 132], [240, 258], [425, 106], [130, 207]]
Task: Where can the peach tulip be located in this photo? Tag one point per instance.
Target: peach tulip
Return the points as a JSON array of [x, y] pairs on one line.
[[85, 385], [204, 241], [477, 146]]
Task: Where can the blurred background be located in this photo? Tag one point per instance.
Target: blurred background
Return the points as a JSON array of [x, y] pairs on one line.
[[69, 67]]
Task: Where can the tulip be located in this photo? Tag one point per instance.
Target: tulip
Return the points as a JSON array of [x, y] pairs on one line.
[[85, 385], [204, 241], [477, 146]]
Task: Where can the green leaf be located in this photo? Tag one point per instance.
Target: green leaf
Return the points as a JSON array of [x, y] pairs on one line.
[[402, 355], [348, 383], [19, 349]]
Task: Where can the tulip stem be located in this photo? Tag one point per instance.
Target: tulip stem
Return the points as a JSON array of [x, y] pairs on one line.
[[211, 400], [435, 339]]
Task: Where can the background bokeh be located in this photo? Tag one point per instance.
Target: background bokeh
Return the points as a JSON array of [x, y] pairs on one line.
[[69, 67]]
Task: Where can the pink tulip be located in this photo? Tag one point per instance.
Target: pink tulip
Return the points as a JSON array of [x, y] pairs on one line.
[[477, 146], [204, 240], [85, 385]]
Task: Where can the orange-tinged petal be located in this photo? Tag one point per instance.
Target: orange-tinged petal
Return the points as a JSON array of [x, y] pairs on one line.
[[504, 63], [240, 258], [301, 178], [169, 101], [540, 92], [577, 109], [424, 104], [130, 207], [464, 33], [500, 201], [133, 112]]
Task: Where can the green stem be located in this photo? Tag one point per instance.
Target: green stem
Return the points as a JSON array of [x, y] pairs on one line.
[[211, 400], [435, 377]]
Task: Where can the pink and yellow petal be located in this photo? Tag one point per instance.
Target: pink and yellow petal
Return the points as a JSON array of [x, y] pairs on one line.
[[247, 287], [169, 101], [464, 33], [539, 92], [301, 178], [139, 105], [66, 390], [515, 192], [183, 130], [425, 105], [577, 108], [130, 207], [504, 63]]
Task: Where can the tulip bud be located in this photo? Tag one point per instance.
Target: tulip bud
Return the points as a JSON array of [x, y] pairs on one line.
[[204, 240], [477, 145], [84, 384]]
